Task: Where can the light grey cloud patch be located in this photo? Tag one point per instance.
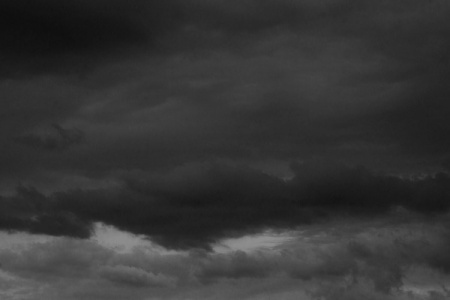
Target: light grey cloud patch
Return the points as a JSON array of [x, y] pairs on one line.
[[136, 277], [333, 261]]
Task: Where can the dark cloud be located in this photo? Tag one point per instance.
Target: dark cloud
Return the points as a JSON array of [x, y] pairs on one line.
[[49, 36], [201, 203], [347, 189], [32, 212], [73, 36], [180, 82], [241, 80], [144, 92], [196, 206], [55, 138], [49, 27]]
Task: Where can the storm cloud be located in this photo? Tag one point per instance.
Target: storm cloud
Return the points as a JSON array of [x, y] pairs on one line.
[[199, 205], [190, 122], [182, 81]]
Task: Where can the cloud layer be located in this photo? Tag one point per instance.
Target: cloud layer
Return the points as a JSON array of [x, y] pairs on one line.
[[382, 259], [197, 205], [155, 85], [192, 121]]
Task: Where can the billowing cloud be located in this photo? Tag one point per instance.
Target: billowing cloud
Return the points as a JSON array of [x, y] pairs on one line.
[[199, 204], [187, 122], [351, 258]]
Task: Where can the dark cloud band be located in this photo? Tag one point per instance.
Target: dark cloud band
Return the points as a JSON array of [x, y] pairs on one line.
[[198, 206]]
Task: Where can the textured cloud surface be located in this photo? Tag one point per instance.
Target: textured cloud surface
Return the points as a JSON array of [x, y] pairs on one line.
[[197, 205], [395, 257], [190, 122]]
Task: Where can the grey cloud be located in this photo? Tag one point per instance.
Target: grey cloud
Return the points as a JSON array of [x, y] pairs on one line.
[[294, 92], [235, 266], [135, 276], [301, 264], [335, 261], [64, 258], [55, 138], [32, 212], [376, 258], [199, 204], [156, 85]]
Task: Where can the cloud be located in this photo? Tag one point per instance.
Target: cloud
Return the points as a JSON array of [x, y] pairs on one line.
[[244, 81], [48, 36], [234, 266], [31, 211], [161, 88], [65, 258], [55, 139], [134, 276], [49, 27], [197, 205], [80, 34], [337, 260]]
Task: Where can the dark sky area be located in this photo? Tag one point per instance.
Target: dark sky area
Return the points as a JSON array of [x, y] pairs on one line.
[[189, 121]]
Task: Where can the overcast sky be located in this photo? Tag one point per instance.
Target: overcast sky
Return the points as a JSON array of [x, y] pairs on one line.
[[224, 149]]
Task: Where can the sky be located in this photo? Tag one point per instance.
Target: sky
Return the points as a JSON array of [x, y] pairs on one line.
[[212, 149]]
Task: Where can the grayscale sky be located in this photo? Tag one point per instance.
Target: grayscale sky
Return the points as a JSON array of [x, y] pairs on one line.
[[224, 149]]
